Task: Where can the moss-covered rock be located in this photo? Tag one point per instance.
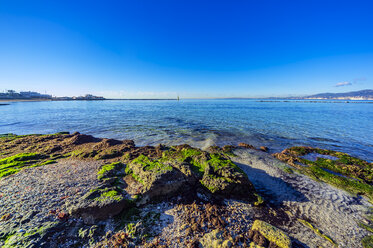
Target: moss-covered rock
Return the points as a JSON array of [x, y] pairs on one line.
[[336, 168], [100, 204], [111, 170], [107, 200], [215, 239], [34, 237], [83, 154], [156, 178], [13, 164], [272, 234], [223, 177], [183, 167]]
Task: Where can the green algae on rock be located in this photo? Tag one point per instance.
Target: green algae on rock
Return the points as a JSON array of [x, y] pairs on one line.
[[186, 166], [110, 170], [157, 178], [215, 239], [157, 174], [367, 241], [336, 168], [99, 204], [28, 238], [272, 234], [317, 231], [107, 200], [15, 163]]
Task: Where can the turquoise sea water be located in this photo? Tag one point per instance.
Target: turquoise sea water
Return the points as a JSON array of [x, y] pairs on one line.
[[341, 126]]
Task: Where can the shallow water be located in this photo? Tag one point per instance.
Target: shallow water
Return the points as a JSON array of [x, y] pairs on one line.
[[338, 174], [313, 156], [346, 127]]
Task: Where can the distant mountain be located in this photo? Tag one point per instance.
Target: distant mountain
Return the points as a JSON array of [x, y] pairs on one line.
[[353, 95]]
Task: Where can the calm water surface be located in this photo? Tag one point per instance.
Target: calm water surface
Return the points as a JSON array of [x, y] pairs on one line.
[[346, 127]]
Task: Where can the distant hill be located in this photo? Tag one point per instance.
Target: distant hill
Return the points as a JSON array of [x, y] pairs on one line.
[[353, 95]]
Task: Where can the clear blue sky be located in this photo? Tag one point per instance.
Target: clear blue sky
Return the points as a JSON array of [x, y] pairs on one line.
[[151, 49]]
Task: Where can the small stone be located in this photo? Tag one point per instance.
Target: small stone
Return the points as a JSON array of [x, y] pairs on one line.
[[244, 145], [264, 148]]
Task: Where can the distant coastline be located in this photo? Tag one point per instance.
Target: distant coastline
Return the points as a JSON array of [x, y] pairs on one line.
[[28, 96], [31, 96], [318, 101], [61, 100], [353, 95]]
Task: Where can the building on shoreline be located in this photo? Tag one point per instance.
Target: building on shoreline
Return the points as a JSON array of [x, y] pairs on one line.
[[31, 95], [23, 95], [87, 97]]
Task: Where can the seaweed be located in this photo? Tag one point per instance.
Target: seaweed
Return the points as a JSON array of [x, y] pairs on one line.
[[346, 172], [317, 231], [15, 163]]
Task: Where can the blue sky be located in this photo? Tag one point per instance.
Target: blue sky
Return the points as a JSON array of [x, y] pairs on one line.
[[152, 49]]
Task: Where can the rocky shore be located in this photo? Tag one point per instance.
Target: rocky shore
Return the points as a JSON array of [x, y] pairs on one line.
[[75, 190]]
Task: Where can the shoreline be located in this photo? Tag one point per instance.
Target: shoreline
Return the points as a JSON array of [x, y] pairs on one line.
[[177, 195]]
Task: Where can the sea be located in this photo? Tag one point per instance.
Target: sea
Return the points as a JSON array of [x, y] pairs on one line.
[[345, 126]]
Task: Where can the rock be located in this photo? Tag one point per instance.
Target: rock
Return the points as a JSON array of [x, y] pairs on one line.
[[222, 177], [78, 139], [106, 143], [32, 237], [110, 148], [225, 181], [99, 204], [110, 171], [25, 219], [215, 239], [214, 149], [62, 216], [105, 201], [244, 145], [269, 232], [182, 168], [53, 149], [156, 179], [264, 148], [228, 148]]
